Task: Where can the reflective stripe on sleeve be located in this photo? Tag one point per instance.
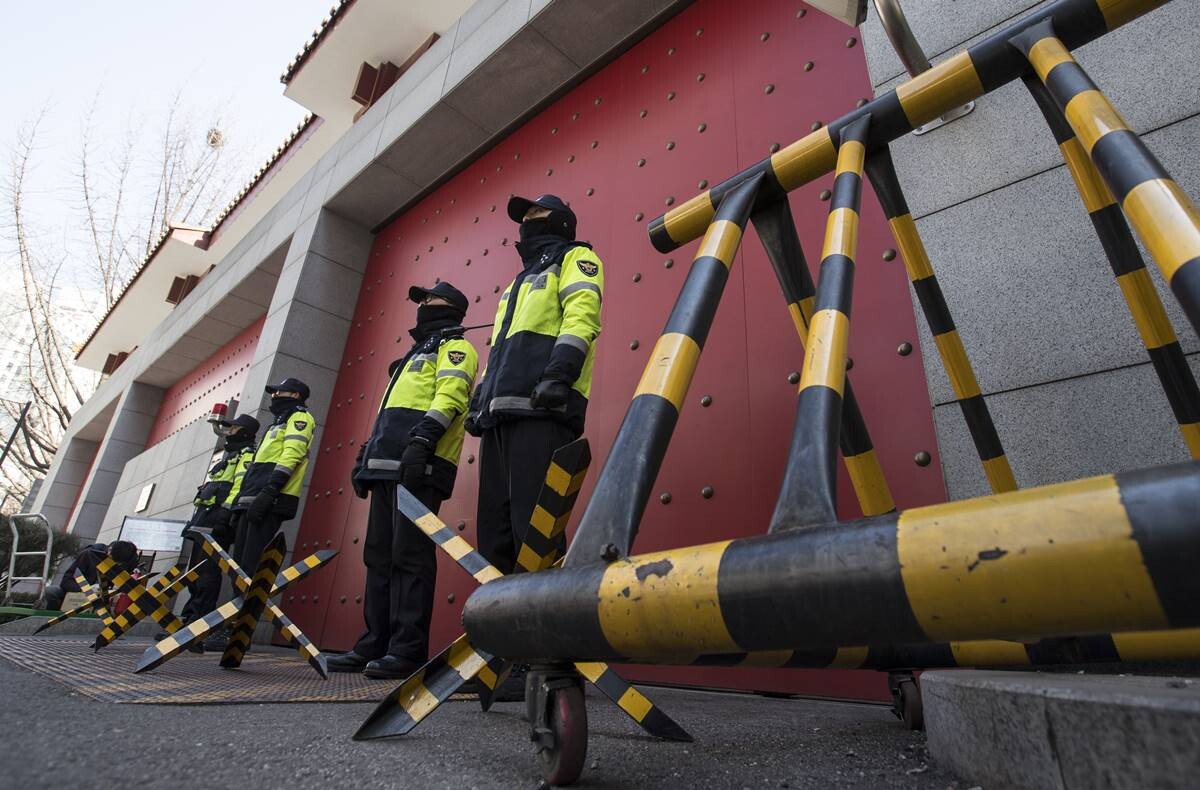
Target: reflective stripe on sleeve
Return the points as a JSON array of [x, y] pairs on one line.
[[458, 374], [574, 341], [563, 293], [441, 417]]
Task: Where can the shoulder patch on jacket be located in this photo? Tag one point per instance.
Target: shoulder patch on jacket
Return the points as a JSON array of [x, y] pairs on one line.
[[589, 268], [301, 424], [456, 357]]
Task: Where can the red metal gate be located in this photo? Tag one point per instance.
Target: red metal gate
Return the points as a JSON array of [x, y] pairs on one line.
[[709, 93]]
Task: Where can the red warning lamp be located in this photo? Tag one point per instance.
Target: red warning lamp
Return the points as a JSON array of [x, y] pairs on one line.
[[216, 415]]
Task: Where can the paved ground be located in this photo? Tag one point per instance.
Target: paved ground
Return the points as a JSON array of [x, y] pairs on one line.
[[50, 736]]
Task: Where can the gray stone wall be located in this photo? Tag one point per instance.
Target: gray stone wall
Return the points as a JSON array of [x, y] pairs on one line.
[[1057, 355]]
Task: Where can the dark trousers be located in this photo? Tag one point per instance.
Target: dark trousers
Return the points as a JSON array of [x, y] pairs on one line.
[[207, 587], [401, 576], [513, 459], [252, 538]]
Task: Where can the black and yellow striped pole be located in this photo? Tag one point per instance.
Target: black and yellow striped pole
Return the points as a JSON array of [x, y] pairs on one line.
[[1161, 213], [1158, 336], [980, 69], [1110, 554], [255, 596], [808, 495], [949, 344], [613, 513], [777, 232], [1145, 646]]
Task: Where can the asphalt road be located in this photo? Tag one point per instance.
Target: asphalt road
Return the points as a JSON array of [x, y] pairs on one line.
[[51, 736]]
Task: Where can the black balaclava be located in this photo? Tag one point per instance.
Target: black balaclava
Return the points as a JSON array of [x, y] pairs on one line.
[[238, 441], [538, 235], [281, 407], [434, 317]]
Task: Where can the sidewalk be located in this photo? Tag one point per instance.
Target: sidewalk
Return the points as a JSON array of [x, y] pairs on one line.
[[51, 736]]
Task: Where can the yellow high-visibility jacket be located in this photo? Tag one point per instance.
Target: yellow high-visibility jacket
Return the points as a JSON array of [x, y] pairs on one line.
[[219, 483], [244, 459], [280, 460], [546, 327], [427, 395]]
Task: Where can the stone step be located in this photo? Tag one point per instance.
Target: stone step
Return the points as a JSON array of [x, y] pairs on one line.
[[1040, 730]]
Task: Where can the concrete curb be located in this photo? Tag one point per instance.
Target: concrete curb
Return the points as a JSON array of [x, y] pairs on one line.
[[1028, 729]]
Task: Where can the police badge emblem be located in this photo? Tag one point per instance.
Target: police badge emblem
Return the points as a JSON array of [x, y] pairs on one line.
[[589, 268], [456, 357]]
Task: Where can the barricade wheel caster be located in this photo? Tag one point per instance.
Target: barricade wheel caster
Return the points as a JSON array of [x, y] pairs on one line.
[[912, 710], [906, 699], [558, 727]]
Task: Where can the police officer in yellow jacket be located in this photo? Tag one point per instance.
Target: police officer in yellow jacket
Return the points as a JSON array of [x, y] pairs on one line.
[[212, 512], [416, 441], [534, 393], [270, 489]]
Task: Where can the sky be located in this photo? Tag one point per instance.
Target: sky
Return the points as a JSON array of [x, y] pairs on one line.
[[224, 54]]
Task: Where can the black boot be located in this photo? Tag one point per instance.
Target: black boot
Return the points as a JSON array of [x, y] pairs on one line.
[[390, 668], [346, 662], [216, 642]]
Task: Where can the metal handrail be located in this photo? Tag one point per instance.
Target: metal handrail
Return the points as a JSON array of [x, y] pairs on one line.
[[913, 58], [12, 559], [895, 25]]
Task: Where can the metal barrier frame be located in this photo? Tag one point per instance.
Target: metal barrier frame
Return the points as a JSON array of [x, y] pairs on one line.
[[959, 575]]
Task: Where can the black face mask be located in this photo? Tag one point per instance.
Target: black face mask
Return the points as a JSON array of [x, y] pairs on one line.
[[281, 406], [557, 223], [238, 441], [432, 317]]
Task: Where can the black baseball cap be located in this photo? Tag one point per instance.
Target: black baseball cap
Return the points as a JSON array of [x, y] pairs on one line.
[[444, 290], [517, 206], [289, 385], [245, 422]]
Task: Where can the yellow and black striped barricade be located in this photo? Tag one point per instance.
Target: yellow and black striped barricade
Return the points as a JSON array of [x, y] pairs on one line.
[[809, 491], [1108, 554], [93, 602], [1136, 647], [610, 521], [200, 629], [419, 695], [982, 68], [1149, 316], [152, 602], [777, 231], [255, 597], [1161, 213], [949, 344], [149, 601]]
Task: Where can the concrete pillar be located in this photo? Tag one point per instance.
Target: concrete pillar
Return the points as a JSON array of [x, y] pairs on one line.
[[309, 318], [62, 483], [124, 438]]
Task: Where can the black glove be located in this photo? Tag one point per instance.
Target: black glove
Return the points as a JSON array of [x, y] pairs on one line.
[[360, 487], [471, 426], [263, 502], [413, 461], [550, 394], [216, 518]]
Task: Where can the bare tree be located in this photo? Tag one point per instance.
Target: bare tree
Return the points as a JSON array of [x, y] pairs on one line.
[[127, 199]]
